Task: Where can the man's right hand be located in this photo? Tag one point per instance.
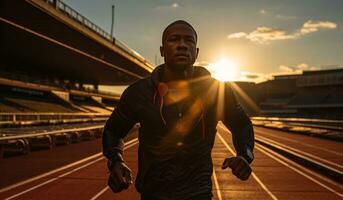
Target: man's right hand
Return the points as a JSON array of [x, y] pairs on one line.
[[120, 177], [239, 167]]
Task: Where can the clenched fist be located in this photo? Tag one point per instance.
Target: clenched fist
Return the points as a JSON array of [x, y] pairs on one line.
[[120, 177], [239, 167]]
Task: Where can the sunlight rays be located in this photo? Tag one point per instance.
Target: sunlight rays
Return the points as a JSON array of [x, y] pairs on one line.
[[224, 70], [212, 93]]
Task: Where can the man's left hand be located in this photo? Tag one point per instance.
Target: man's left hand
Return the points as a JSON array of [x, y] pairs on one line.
[[239, 166]]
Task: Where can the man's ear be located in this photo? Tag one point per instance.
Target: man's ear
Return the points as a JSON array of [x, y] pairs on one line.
[[161, 51], [196, 55]]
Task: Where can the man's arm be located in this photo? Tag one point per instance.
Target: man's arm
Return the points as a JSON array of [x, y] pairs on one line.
[[240, 126], [117, 127], [242, 135]]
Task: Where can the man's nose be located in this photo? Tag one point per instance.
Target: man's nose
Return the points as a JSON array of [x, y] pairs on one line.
[[182, 44]]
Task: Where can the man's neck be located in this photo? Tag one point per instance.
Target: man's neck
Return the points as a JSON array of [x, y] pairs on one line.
[[174, 75], [178, 85]]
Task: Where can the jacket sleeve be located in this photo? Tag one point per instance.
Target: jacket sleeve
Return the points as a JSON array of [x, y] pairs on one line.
[[117, 127], [239, 124]]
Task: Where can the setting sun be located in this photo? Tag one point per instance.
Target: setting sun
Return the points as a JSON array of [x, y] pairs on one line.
[[224, 70]]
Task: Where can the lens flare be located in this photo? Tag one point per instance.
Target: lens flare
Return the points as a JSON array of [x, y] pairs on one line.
[[224, 70]]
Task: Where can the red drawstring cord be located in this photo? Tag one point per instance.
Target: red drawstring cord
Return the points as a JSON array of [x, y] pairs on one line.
[[161, 114], [162, 91], [202, 120]]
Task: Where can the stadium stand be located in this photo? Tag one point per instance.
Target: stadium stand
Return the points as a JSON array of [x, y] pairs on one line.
[[312, 94], [53, 61], [89, 104], [23, 97]]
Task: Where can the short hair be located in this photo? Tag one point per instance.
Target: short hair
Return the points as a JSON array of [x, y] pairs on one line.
[[177, 22]]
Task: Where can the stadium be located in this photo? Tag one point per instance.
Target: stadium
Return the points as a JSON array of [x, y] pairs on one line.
[[54, 61]]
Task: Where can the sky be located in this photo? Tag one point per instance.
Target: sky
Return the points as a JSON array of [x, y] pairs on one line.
[[256, 38]]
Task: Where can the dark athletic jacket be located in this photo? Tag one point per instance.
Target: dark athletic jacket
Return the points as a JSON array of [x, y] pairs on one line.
[[175, 141]]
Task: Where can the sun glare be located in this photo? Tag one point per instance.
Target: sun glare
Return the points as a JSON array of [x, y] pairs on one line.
[[224, 70]]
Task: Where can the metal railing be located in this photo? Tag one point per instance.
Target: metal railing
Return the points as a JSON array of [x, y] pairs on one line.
[[314, 123], [33, 118], [73, 14], [45, 133], [298, 120]]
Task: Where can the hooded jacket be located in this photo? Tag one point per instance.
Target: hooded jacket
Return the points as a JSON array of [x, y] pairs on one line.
[[176, 139]]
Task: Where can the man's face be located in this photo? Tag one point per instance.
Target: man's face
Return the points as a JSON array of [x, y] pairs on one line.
[[179, 47]]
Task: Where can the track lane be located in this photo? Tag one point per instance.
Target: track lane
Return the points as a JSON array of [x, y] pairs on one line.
[[283, 181], [231, 187], [325, 151], [77, 182], [131, 159]]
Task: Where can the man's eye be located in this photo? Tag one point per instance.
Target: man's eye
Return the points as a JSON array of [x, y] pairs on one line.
[[191, 40], [172, 39]]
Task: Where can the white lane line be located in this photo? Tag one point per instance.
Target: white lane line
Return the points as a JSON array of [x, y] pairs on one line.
[[269, 153], [264, 186], [106, 188], [253, 174], [303, 153], [57, 170], [100, 193], [303, 168], [217, 185], [50, 172], [53, 179], [130, 144], [296, 141]]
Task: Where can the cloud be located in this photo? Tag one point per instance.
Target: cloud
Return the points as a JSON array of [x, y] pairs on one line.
[[237, 35], [264, 35], [313, 26], [263, 12], [251, 75], [302, 66], [175, 5], [298, 68], [168, 7], [285, 68]]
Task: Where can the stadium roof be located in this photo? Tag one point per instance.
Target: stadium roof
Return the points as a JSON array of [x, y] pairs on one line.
[[323, 71]]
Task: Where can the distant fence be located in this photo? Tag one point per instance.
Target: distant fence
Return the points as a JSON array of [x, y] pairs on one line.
[[73, 14]]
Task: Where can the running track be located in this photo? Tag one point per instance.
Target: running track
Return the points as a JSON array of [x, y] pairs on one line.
[[274, 176]]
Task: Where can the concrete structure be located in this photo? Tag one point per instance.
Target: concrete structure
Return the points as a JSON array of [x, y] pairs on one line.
[[310, 94], [51, 39]]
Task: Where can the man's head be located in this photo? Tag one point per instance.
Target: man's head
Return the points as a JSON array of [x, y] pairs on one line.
[[179, 45]]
